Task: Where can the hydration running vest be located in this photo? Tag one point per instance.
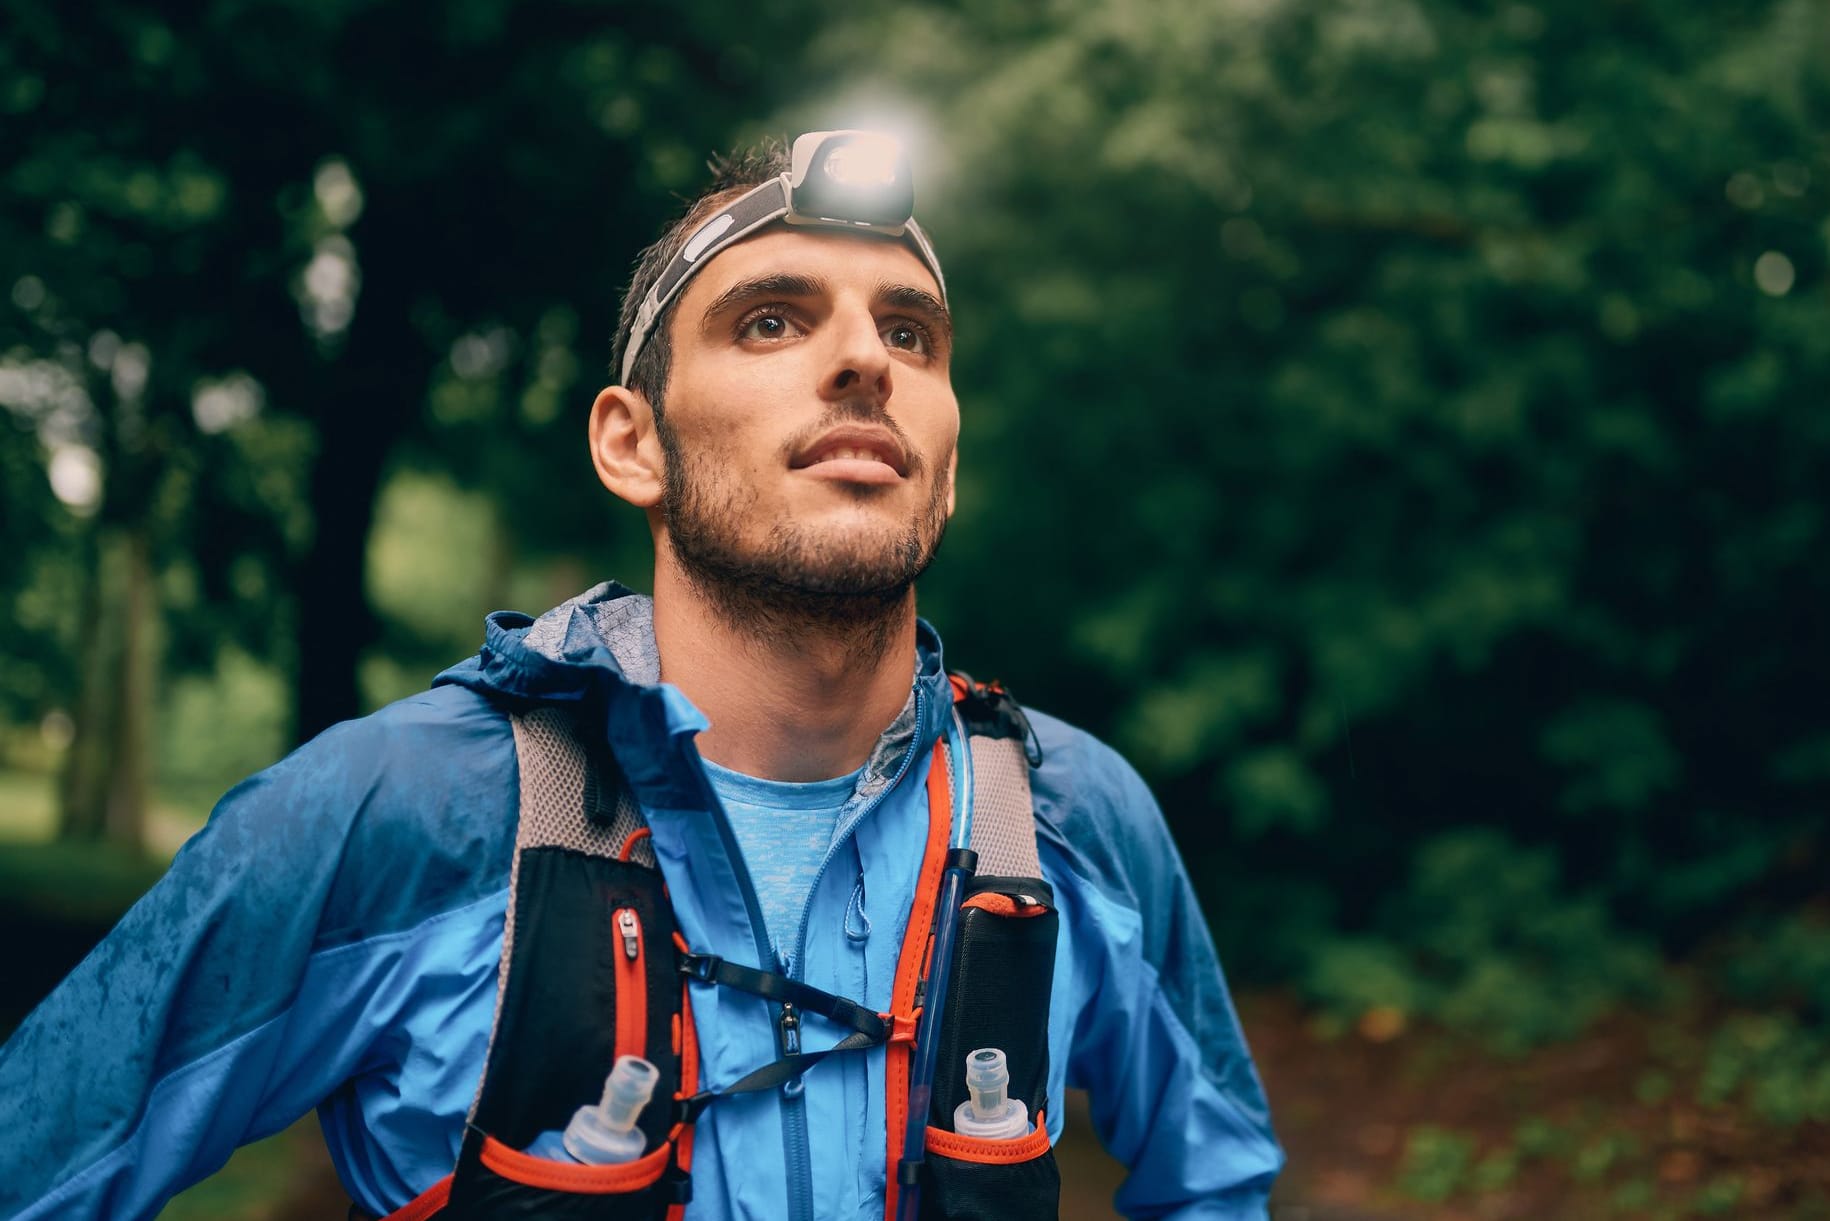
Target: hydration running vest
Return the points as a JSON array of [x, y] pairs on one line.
[[590, 932]]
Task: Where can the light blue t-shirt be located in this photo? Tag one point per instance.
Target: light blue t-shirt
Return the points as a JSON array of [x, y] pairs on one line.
[[784, 830]]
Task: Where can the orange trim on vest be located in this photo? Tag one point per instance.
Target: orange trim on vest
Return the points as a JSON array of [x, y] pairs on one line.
[[426, 1204], [689, 1085], [911, 964], [902, 1026], [631, 983], [533, 1171], [1004, 905], [990, 1152], [635, 837]]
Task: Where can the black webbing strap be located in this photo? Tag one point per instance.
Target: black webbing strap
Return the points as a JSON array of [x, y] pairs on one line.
[[769, 1076], [711, 969], [868, 1028], [990, 712]]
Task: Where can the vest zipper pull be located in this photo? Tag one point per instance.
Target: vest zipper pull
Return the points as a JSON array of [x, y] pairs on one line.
[[631, 933], [790, 1029]]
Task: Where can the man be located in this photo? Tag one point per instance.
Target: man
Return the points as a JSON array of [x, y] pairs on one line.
[[333, 937]]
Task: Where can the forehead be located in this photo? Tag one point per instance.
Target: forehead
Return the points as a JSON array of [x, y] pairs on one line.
[[841, 259]]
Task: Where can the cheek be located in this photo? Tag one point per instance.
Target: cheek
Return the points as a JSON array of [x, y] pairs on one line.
[[940, 440], [725, 447]]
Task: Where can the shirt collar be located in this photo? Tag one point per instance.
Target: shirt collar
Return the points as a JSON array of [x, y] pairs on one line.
[[598, 652]]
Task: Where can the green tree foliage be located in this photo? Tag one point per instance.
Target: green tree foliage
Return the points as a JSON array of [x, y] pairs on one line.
[[1482, 939], [1382, 418], [1389, 416], [261, 250]]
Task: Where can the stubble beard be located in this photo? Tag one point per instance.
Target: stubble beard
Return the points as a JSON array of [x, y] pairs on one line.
[[795, 579]]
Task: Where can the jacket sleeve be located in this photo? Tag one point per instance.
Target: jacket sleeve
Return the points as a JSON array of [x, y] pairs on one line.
[[229, 1000], [1154, 1038]]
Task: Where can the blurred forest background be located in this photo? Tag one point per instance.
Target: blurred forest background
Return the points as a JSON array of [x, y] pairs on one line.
[[1402, 426]]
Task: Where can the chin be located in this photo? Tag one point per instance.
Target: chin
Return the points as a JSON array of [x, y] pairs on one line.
[[858, 556]]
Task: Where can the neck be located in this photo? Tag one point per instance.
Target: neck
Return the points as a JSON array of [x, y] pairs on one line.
[[793, 695]]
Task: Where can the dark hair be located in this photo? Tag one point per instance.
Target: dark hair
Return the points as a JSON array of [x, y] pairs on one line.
[[732, 175]]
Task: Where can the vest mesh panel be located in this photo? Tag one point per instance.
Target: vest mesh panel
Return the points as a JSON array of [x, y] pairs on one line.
[[562, 796], [1003, 825], [558, 788]]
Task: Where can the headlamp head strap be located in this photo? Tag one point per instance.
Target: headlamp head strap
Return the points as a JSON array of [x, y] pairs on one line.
[[851, 180]]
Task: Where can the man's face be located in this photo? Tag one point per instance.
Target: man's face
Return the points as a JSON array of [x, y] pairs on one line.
[[809, 425]]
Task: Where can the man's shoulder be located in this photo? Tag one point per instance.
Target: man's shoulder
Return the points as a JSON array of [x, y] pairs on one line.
[[1076, 762], [417, 800], [404, 758], [1098, 814]]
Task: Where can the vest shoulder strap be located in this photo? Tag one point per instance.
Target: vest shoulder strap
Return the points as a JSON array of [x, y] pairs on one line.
[[569, 798], [572, 795], [1003, 816]]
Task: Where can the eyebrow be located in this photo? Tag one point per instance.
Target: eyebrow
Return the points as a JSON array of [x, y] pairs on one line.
[[788, 284], [913, 300], [776, 284]]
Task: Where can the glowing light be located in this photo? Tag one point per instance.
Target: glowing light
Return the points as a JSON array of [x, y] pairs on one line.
[[1774, 274], [329, 285], [129, 369], [104, 346], [57, 730], [482, 354], [338, 194], [864, 162], [901, 119], [76, 477], [1744, 191], [220, 405], [28, 293]]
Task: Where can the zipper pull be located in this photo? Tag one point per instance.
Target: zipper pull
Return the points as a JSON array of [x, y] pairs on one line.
[[631, 932], [790, 1029]]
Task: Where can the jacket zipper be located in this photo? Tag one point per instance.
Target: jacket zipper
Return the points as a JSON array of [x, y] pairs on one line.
[[631, 985], [796, 1147], [795, 1152], [794, 1103]]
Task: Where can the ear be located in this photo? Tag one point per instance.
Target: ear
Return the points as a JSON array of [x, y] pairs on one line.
[[952, 481], [625, 448]]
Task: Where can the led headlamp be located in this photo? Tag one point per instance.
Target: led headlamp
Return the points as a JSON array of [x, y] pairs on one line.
[[852, 180]]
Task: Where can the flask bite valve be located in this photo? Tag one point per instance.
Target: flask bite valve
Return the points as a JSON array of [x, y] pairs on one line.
[[606, 1133], [990, 1111]]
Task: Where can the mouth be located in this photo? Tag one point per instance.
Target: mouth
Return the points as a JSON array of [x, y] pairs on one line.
[[856, 454]]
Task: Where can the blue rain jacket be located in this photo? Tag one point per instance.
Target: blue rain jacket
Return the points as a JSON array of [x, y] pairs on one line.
[[332, 937]]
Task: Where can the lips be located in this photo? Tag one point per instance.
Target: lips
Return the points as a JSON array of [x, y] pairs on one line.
[[854, 444]]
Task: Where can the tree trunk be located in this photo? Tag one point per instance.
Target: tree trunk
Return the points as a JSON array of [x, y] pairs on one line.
[[129, 779], [81, 788], [103, 792], [369, 396], [335, 622]]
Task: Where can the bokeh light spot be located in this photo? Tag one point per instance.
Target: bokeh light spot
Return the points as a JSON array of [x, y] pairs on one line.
[[1774, 274]]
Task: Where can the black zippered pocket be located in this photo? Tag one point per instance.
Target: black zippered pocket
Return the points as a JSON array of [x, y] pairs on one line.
[[998, 991], [596, 978]]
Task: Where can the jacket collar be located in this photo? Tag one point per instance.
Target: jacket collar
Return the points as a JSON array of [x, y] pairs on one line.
[[597, 652]]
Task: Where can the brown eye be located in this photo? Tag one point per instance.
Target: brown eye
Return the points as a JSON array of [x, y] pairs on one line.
[[906, 336], [765, 326]]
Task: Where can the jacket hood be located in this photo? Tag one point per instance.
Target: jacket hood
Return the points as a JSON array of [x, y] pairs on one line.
[[597, 651]]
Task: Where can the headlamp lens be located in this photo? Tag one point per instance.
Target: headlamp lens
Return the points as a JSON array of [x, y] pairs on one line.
[[864, 162], [850, 178]]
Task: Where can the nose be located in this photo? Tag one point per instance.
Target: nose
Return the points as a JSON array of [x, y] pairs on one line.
[[858, 365]]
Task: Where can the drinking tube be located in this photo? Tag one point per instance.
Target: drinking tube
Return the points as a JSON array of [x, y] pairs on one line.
[[946, 922]]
